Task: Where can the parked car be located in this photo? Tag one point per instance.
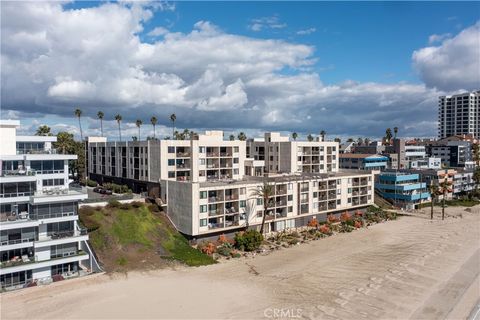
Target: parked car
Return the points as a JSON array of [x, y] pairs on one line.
[[97, 189], [106, 192]]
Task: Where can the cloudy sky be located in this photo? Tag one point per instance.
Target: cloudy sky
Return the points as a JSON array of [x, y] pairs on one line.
[[351, 69]]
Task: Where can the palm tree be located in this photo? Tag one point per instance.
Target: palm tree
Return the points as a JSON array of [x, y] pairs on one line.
[[264, 192], [119, 119], [231, 137], [78, 114], [173, 118], [138, 123], [295, 136], [359, 141], [444, 186], [153, 121], [366, 141], [100, 116], [242, 136], [395, 131], [350, 140], [43, 131], [433, 193], [310, 138], [337, 139], [323, 134], [388, 136]]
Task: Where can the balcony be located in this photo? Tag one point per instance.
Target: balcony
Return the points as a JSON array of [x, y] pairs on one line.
[[231, 197], [17, 241], [17, 261], [17, 173], [183, 154], [17, 194]]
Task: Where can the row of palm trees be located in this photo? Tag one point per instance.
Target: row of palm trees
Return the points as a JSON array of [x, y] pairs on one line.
[[118, 118], [323, 134], [435, 191]]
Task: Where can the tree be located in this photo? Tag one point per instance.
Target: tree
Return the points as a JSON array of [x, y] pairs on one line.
[[444, 187], [242, 136], [350, 140], [43, 131], [264, 192], [173, 118], [118, 118], [433, 193], [139, 123], [476, 177], [78, 114], [231, 137], [101, 115], [388, 136], [323, 134], [153, 121], [310, 138], [366, 141], [337, 139], [359, 141], [476, 153], [395, 131], [134, 138], [295, 136], [64, 143]]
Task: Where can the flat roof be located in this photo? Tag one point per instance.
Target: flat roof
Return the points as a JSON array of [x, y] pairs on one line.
[[36, 139], [361, 155]]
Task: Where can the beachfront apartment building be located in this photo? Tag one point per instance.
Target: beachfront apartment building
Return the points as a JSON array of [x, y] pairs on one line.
[[361, 161], [206, 183], [40, 237], [459, 114], [404, 189]]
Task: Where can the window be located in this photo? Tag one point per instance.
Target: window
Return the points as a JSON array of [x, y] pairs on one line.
[[235, 171], [235, 149], [339, 191], [201, 161], [290, 197], [201, 149], [339, 201], [243, 203], [259, 214], [171, 174], [349, 200], [315, 183], [315, 194], [235, 160], [203, 194], [339, 181], [243, 190], [203, 222], [349, 190], [259, 201], [171, 149], [203, 208], [171, 162], [290, 186], [315, 205], [290, 209]]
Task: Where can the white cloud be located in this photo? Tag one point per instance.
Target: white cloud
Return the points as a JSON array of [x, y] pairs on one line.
[[158, 31], [454, 64], [435, 38], [306, 31], [263, 23]]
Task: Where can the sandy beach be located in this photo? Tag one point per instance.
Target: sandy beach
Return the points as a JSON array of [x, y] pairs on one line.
[[410, 268]]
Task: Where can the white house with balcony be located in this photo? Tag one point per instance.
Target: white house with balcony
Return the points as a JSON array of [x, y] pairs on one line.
[[40, 237]]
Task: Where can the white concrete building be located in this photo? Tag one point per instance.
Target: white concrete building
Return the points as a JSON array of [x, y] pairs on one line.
[[459, 114], [39, 232]]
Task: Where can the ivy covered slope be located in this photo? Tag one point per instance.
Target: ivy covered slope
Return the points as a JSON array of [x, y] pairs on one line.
[[135, 236]]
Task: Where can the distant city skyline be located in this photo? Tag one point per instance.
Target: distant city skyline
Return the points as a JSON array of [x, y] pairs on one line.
[[351, 69]]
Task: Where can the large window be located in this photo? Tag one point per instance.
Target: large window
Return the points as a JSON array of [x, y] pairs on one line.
[[18, 189], [54, 210], [15, 278], [53, 182], [48, 166], [63, 250]]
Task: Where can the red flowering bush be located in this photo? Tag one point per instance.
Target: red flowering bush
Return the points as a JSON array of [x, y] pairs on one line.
[[325, 229], [207, 248], [332, 219], [358, 224], [313, 223], [345, 217], [358, 213], [222, 239]]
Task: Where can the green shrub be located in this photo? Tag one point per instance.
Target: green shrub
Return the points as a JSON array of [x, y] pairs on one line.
[[125, 206], [121, 261], [249, 240], [136, 204], [224, 251], [91, 183], [113, 203], [236, 255]]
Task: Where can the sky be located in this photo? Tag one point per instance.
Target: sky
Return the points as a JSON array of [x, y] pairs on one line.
[[349, 68]]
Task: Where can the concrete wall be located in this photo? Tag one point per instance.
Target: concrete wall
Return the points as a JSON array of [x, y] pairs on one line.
[[179, 195], [8, 139]]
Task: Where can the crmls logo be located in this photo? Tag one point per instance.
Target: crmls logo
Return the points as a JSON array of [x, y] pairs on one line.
[[275, 313]]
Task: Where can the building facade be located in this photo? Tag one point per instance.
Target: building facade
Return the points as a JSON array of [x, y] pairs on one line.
[[360, 161], [459, 114], [40, 237], [207, 183], [405, 190]]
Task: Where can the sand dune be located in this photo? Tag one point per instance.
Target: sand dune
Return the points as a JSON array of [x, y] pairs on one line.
[[410, 268]]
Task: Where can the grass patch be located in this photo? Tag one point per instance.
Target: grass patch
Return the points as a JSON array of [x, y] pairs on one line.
[[460, 202], [134, 233]]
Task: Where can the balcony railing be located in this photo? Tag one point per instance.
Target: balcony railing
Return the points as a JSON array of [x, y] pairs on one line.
[[231, 223], [17, 241], [214, 213], [215, 225], [231, 197], [183, 154], [41, 151], [17, 194], [231, 210], [14, 173]]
